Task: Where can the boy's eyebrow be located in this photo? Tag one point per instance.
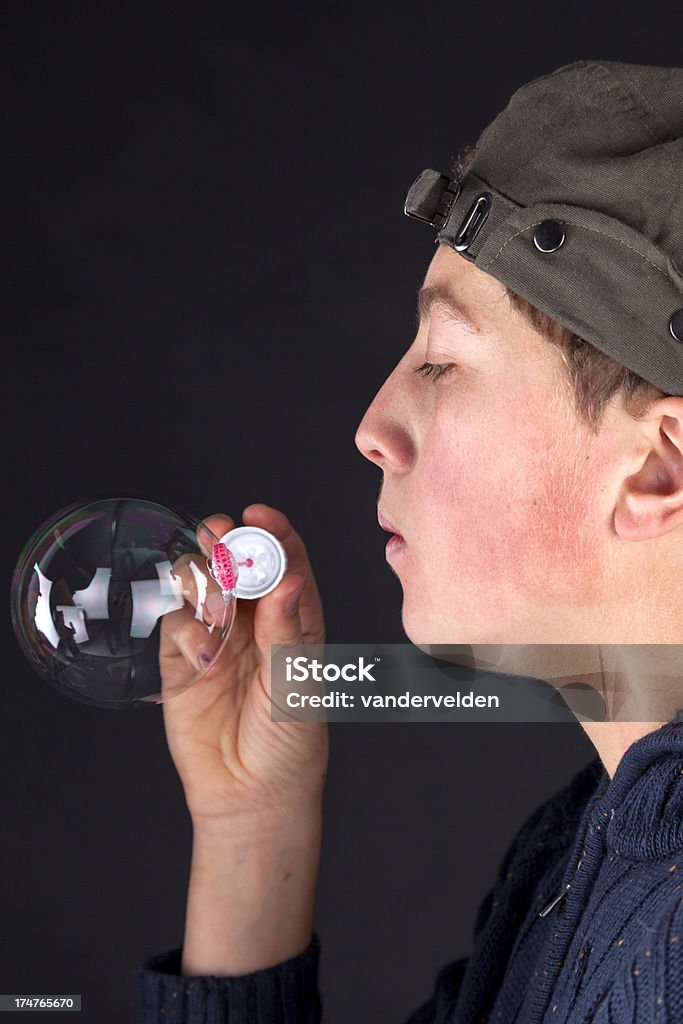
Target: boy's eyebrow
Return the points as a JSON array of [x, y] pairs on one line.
[[433, 295]]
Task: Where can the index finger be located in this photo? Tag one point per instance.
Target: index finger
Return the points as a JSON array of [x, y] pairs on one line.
[[277, 523]]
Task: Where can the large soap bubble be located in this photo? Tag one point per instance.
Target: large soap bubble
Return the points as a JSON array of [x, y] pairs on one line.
[[114, 601]]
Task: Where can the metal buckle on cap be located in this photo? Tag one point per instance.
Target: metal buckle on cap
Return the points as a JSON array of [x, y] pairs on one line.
[[473, 222], [431, 197]]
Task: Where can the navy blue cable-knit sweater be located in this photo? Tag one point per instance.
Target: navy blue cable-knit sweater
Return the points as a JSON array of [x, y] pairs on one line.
[[609, 951]]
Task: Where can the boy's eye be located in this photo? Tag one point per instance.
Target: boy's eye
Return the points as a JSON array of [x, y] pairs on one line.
[[434, 370]]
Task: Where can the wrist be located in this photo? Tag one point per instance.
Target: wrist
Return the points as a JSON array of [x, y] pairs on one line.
[[254, 825], [251, 896]]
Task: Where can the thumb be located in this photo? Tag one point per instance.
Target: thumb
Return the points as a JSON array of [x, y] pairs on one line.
[[276, 622], [276, 617]]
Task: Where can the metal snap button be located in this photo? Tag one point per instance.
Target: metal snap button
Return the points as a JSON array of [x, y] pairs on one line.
[[473, 222], [549, 236], [676, 325]]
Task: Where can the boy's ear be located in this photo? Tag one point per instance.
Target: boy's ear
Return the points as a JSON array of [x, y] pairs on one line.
[[650, 501]]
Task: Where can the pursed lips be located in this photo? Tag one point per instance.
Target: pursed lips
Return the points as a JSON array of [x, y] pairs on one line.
[[387, 525]]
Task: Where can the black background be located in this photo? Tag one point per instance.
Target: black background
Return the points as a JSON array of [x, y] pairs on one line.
[[208, 277]]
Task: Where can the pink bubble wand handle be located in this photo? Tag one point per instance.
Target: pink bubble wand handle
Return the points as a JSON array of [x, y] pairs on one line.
[[222, 567]]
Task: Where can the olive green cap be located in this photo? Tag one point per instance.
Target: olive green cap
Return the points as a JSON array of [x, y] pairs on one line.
[[575, 201]]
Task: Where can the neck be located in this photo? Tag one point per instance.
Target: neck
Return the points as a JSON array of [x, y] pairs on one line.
[[612, 739], [637, 683]]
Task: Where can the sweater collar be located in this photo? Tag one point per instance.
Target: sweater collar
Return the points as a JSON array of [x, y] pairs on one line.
[[641, 807]]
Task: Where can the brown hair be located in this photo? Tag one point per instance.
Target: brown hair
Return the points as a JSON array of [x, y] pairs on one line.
[[595, 378]]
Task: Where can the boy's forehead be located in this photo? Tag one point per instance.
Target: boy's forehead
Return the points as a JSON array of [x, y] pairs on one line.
[[500, 331], [480, 293]]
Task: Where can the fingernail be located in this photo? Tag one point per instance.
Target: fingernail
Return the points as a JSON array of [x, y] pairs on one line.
[[205, 658], [292, 602]]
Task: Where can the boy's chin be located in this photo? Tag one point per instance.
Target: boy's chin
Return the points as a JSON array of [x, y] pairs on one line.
[[425, 633]]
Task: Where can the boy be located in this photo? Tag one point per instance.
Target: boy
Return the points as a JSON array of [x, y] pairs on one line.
[[531, 444]]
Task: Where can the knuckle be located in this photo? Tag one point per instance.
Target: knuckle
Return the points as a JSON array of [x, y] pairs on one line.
[[190, 635], [182, 562]]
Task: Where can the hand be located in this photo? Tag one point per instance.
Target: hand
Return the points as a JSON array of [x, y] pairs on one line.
[[236, 764]]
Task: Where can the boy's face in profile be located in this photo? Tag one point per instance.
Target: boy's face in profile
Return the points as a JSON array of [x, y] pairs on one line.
[[504, 497]]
